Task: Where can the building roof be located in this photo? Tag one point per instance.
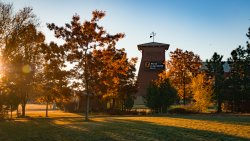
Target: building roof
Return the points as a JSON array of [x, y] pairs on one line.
[[153, 44], [225, 66]]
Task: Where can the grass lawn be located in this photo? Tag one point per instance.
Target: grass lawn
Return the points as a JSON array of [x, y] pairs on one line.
[[129, 128], [56, 114]]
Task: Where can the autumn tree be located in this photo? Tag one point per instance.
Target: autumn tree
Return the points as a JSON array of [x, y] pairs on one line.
[[80, 39], [202, 91], [215, 70], [52, 83], [12, 26], [180, 68], [115, 73], [10, 100], [19, 39]]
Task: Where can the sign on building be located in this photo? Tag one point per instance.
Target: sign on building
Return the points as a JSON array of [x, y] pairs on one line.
[[154, 65]]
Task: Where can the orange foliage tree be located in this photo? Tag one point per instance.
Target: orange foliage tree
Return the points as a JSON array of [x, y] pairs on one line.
[[180, 68], [115, 73], [80, 39], [52, 82], [19, 40]]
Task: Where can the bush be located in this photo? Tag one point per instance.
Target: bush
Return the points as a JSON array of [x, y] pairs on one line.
[[135, 112], [188, 109], [143, 112]]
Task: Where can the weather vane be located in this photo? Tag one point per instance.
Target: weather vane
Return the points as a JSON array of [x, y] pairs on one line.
[[153, 35]]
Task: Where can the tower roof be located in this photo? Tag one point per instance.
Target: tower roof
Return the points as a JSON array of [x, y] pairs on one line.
[[153, 44]]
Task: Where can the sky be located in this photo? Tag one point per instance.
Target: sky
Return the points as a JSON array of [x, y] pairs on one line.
[[201, 26]]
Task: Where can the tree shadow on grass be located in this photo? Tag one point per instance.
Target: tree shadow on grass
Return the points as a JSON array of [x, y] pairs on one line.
[[105, 129], [221, 119]]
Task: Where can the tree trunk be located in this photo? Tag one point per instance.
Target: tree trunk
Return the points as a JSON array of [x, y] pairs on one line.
[[151, 111], [17, 110], [161, 110], [46, 109], [87, 107], [167, 109], [219, 106], [158, 110], [113, 104], [154, 111], [110, 105], [122, 105], [23, 109], [11, 111], [184, 93]]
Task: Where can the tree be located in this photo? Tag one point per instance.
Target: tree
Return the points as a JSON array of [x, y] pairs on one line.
[[129, 102], [10, 99], [26, 61], [180, 68], [202, 91], [150, 99], [160, 93], [239, 80], [52, 82], [19, 39], [115, 73], [215, 70], [80, 38], [12, 27], [167, 92]]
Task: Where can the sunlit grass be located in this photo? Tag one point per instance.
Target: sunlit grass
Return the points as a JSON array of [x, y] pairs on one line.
[[129, 128], [56, 114]]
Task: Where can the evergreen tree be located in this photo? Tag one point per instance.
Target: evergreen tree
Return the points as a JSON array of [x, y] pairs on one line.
[[215, 70], [150, 99], [236, 80], [129, 102], [167, 92]]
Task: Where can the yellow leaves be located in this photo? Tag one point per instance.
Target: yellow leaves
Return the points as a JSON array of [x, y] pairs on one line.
[[202, 91]]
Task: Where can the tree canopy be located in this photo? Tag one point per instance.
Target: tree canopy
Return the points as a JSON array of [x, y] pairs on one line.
[[180, 68]]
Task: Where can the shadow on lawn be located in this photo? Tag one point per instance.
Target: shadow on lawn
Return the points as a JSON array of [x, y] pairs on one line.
[[105, 129], [221, 119]]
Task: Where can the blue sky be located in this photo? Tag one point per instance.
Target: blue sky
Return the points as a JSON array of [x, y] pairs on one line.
[[201, 26]]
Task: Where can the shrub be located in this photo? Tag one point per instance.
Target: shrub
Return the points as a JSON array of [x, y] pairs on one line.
[[143, 112], [135, 112], [188, 109]]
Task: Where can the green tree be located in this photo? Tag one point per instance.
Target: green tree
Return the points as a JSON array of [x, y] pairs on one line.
[[167, 92], [215, 70], [202, 91], [129, 102], [150, 99], [236, 83], [80, 39]]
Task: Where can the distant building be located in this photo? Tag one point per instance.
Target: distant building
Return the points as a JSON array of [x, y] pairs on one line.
[[153, 56]]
